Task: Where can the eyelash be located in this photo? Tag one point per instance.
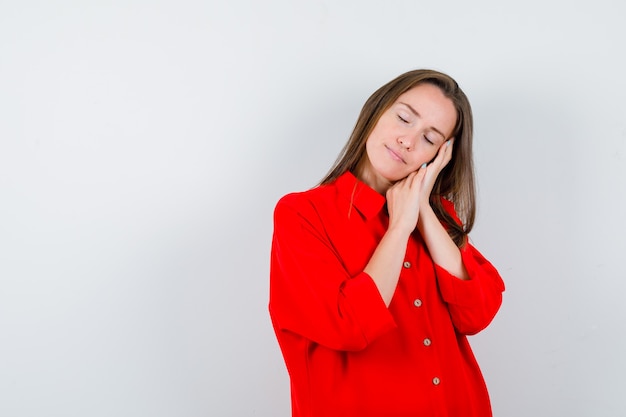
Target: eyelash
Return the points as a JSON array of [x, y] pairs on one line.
[[402, 119]]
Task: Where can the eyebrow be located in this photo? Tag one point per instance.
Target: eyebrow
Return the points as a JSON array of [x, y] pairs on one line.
[[418, 115]]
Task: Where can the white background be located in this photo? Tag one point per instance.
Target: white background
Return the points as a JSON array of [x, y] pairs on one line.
[[143, 146]]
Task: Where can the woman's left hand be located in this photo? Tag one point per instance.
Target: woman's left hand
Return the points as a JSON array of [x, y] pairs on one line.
[[444, 155]]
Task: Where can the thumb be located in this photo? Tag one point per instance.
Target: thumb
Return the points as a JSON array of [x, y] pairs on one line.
[[418, 179]]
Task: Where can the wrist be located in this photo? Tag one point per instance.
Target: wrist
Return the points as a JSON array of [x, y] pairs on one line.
[[400, 233], [425, 207], [426, 214]]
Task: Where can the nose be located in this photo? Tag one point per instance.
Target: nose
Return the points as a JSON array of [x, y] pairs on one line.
[[406, 142]]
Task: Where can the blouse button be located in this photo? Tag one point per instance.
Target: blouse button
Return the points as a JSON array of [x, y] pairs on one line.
[[407, 264], [417, 302], [436, 381], [427, 342]]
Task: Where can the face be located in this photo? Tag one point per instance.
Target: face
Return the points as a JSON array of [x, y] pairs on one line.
[[407, 135]]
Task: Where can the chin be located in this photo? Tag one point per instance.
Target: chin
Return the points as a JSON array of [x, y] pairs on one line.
[[395, 178]]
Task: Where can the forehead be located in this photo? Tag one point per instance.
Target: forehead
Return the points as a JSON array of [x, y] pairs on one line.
[[424, 93]]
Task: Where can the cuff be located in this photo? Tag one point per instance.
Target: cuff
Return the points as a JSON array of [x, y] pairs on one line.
[[457, 291], [363, 299]]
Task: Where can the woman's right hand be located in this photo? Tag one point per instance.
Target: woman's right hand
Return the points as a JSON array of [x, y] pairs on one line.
[[403, 200]]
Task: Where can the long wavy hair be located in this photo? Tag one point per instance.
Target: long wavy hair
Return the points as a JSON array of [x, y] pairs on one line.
[[456, 181]]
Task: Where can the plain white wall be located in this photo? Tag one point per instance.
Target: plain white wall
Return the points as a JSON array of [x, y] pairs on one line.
[[143, 146]]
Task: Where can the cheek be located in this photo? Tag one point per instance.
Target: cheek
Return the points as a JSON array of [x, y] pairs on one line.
[[385, 128], [369, 143], [426, 156], [432, 154]]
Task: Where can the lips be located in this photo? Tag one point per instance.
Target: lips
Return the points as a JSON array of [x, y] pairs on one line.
[[395, 155]]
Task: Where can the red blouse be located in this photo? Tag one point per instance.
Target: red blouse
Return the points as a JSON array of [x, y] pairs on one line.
[[346, 352]]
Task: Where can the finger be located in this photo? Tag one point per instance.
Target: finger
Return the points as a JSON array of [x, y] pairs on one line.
[[448, 151], [410, 178], [401, 183], [443, 149], [418, 178], [421, 173], [444, 155], [439, 157]]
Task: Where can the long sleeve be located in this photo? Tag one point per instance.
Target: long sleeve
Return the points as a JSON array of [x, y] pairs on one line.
[[472, 303], [311, 292], [346, 352]]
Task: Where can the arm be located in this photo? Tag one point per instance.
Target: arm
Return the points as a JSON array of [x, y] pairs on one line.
[[472, 303], [469, 284], [403, 200], [311, 293], [441, 247]]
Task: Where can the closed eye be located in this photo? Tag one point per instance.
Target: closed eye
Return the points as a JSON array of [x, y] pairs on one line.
[[403, 119], [428, 140]]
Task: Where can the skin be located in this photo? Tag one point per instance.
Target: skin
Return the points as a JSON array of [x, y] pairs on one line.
[[406, 151]]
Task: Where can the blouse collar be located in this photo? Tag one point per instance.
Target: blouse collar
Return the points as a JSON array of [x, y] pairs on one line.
[[364, 198]]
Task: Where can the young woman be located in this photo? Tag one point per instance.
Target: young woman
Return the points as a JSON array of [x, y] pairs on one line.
[[373, 283]]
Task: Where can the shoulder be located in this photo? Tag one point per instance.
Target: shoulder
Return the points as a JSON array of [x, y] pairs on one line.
[[313, 196], [305, 203], [449, 208], [305, 213]]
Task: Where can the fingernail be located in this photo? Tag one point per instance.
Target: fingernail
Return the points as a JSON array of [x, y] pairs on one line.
[[424, 165], [448, 142]]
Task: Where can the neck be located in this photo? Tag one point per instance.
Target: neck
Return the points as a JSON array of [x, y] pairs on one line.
[[365, 173]]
